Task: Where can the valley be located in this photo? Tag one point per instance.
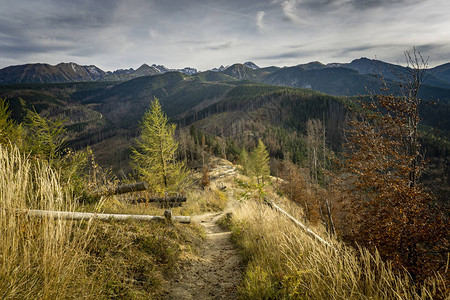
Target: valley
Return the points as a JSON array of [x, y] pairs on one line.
[[234, 104], [244, 135]]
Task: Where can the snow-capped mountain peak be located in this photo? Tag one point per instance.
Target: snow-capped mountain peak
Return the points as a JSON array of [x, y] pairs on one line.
[[188, 71], [162, 69], [220, 69], [251, 65]]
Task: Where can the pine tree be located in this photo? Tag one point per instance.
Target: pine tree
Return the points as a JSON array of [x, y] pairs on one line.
[[9, 131], [45, 138], [260, 162], [244, 160], [154, 156]]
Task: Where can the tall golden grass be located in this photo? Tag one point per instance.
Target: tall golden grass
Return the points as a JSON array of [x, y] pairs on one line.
[[285, 263], [39, 257], [51, 258]]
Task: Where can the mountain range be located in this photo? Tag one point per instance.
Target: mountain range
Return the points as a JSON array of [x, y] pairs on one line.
[[72, 72], [344, 79]]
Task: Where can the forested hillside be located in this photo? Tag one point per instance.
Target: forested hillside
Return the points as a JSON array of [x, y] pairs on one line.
[[105, 115]]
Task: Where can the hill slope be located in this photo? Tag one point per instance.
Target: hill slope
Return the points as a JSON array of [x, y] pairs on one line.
[[105, 115]]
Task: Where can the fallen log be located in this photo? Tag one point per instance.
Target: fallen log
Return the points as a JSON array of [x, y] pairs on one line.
[[160, 200], [122, 189], [87, 216]]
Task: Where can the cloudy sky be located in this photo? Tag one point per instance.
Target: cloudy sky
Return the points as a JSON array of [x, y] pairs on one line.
[[204, 34]]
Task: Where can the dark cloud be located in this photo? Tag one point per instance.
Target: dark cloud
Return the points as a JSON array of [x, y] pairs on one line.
[[85, 51], [425, 48], [19, 48], [193, 42], [367, 47], [65, 13], [208, 33], [291, 54], [9, 31], [98, 8], [77, 21], [431, 47], [326, 5], [222, 46], [318, 4], [367, 4], [299, 46]]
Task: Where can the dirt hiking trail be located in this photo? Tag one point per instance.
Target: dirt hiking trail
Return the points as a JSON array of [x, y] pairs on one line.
[[216, 272]]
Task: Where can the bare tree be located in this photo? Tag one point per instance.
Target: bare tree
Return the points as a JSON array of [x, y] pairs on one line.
[[314, 140]]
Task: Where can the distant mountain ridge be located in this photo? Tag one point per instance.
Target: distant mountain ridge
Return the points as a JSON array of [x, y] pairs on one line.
[[72, 72], [345, 79], [438, 76]]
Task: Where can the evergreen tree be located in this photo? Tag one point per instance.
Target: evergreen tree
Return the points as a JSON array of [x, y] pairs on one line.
[[9, 131], [260, 162], [154, 157], [45, 138], [244, 160]]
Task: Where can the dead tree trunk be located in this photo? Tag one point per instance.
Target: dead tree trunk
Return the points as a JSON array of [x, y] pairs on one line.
[[87, 216], [161, 200]]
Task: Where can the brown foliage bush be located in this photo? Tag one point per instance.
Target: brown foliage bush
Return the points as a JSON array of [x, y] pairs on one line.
[[387, 208], [298, 190]]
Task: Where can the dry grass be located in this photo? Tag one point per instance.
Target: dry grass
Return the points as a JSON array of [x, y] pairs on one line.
[[202, 201], [284, 263], [198, 202], [44, 258], [133, 260], [39, 257]]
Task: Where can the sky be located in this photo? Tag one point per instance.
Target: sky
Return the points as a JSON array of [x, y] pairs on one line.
[[115, 34]]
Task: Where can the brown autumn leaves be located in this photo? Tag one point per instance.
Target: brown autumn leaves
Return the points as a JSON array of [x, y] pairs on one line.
[[378, 201]]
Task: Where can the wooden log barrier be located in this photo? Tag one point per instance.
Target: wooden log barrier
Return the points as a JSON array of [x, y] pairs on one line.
[[168, 214], [298, 223], [122, 189], [161, 200], [87, 216]]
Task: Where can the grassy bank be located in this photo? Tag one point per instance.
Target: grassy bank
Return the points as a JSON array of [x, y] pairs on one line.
[[53, 258], [133, 260], [282, 262]]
